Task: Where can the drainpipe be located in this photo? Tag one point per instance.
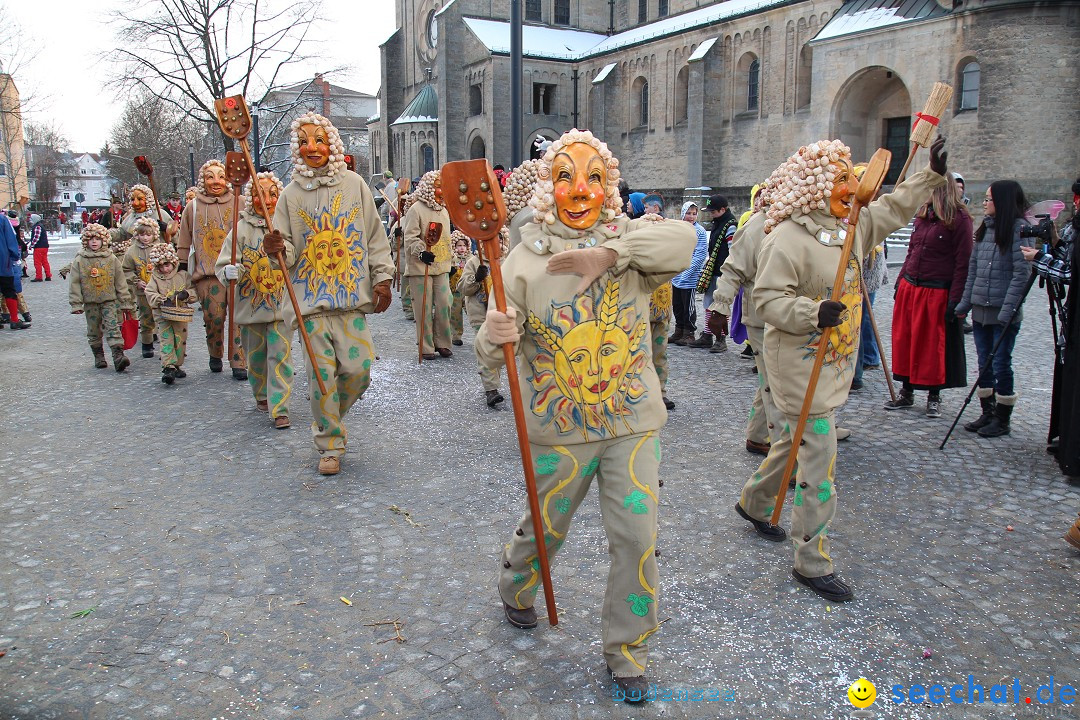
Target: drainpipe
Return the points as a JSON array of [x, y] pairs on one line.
[[611, 17], [574, 77]]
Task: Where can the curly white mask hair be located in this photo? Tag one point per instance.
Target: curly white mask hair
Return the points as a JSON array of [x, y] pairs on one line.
[[162, 253], [804, 182], [147, 193], [94, 231], [200, 185], [519, 187], [425, 190], [336, 163], [543, 199], [148, 224], [249, 190]]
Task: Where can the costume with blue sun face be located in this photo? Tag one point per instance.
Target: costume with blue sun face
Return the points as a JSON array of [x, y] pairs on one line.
[[331, 265]]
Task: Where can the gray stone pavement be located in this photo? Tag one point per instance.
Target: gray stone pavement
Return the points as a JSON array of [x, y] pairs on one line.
[[214, 557]]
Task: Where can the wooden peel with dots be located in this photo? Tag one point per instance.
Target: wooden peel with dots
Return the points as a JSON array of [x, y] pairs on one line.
[[475, 203], [235, 122], [236, 172], [868, 188]]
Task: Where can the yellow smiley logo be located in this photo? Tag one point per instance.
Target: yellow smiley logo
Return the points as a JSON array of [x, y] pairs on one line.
[[862, 693]]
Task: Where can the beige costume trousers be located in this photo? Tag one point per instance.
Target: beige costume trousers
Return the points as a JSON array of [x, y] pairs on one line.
[[212, 297], [627, 477], [268, 348], [814, 503], [342, 345], [437, 315]]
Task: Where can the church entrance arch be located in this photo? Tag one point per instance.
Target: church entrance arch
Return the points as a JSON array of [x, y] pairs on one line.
[[872, 110]]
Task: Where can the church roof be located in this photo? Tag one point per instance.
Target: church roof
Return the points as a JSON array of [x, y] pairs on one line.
[[540, 41], [862, 15], [423, 108]]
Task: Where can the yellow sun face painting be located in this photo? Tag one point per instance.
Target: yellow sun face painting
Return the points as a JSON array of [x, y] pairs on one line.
[[844, 338], [331, 264], [262, 284], [587, 371], [213, 236], [100, 278]]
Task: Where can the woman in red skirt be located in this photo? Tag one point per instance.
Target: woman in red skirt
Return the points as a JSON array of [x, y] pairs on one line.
[[927, 337]]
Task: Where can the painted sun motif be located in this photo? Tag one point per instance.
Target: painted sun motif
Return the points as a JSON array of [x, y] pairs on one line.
[[100, 278], [587, 371], [213, 236], [262, 283], [661, 301], [142, 269], [331, 264], [845, 338]]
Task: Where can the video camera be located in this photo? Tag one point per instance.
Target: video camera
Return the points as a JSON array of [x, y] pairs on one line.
[[1044, 229]]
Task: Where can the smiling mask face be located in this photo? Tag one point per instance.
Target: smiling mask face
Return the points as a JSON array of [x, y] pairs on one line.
[[580, 176], [271, 189], [138, 201], [214, 181], [314, 145], [844, 187]]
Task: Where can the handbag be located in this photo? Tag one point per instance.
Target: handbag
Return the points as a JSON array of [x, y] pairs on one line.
[[129, 330], [735, 323]]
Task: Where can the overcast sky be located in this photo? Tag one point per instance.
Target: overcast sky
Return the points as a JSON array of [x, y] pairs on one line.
[[68, 36]]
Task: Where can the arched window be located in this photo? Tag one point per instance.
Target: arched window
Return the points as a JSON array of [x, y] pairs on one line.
[[662, 8], [642, 10], [752, 84], [639, 103], [476, 100], [427, 158], [477, 149], [561, 15], [533, 10], [682, 94], [969, 86], [802, 85]]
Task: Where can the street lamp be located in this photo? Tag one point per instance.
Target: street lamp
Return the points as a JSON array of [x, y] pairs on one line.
[[255, 134], [191, 159], [515, 83]]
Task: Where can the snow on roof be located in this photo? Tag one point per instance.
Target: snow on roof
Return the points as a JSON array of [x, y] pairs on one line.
[[374, 118], [565, 44], [423, 108], [702, 50], [536, 41], [682, 21], [604, 72], [863, 15], [444, 8]]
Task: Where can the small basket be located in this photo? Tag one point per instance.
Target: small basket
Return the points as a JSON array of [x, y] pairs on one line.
[[177, 313]]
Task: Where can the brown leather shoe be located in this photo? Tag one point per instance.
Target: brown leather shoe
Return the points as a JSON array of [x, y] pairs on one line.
[[525, 618], [329, 465], [431, 356], [445, 352], [281, 422], [1073, 536], [632, 689], [262, 405], [757, 448]]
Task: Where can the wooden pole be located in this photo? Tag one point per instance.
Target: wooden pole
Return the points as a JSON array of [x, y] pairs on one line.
[[877, 337], [868, 187], [232, 261], [480, 184], [422, 316]]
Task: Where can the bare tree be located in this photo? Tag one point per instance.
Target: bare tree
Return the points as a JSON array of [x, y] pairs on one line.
[[153, 127], [49, 161], [189, 52]]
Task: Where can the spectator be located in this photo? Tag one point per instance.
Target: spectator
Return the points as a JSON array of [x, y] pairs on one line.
[[39, 243], [684, 283], [9, 256], [960, 184], [1056, 267], [635, 205], [723, 228], [997, 274], [63, 224], [928, 341]]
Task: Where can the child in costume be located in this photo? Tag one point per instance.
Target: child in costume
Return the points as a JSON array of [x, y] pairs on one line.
[[262, 310], [203, 227], [462, 251], [806, 224], [142, 205], [339, 262], [577, 294], [475, 288], [97, 289], [137, 270], [169, 287], [430, 262]]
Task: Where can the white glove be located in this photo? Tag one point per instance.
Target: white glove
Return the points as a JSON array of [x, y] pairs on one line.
[[231, 272], [502, 327]]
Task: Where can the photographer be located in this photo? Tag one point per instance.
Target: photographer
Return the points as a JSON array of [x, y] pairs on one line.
[[996, 280], [1054, 263]]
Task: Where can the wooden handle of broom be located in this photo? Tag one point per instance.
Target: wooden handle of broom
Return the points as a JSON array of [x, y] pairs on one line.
[[868, 307], [868, 187], [926, 123], [475, 180]]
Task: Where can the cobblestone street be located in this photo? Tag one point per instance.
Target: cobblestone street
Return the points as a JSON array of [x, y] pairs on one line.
[[214, 562]]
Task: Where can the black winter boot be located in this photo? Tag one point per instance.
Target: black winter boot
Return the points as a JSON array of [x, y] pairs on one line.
[[999, 423], [677, 335], [119, 359], [148, 350], [99, 357], [986, 399]]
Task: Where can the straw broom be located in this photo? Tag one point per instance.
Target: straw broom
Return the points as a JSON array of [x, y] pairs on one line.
[[926, 122]]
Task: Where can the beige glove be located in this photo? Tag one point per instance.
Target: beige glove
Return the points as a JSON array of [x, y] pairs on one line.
[[589, 263], [502, 327]]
